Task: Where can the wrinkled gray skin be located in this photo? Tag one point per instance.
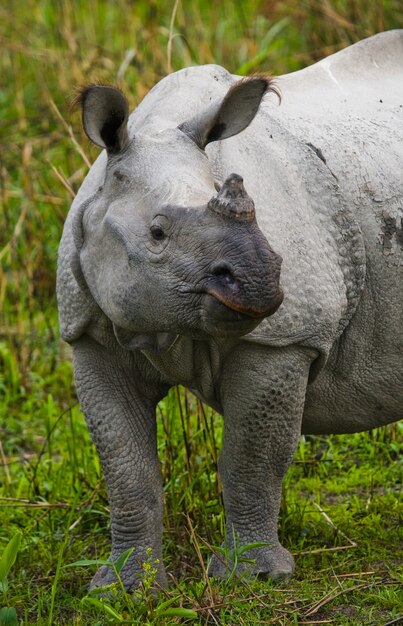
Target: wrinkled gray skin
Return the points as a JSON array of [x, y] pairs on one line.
[[325, 172]]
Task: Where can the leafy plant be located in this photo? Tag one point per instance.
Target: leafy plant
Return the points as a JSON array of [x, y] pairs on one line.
[[8, 615], [126, 606], [234, 555]]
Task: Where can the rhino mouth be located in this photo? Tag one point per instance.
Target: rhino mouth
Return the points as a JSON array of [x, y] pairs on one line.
[[220, 320], [248, 310], [229, 316]]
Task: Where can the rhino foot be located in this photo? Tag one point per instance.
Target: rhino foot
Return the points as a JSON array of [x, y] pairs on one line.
[[131, 578], [274, 562], [104, 576]]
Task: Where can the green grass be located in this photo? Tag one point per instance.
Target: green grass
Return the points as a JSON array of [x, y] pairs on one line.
[[340, 511]]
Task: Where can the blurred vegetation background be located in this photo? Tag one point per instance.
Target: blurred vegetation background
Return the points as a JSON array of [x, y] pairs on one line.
[[50, 480]]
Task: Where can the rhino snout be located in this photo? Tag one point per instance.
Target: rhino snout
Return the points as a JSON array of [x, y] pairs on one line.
[[255, 298]]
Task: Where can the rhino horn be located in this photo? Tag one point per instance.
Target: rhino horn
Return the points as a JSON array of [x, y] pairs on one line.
[[233, 201]]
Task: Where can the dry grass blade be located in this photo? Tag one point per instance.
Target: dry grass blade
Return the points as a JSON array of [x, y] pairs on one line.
[[63, 180], [70, 132], [320, 550], [22, 502], [398, 620], [333, 525], [5, 464], [211, 596], [341, 22], [352, 544], [348, 575], [329, 597], [320, 621], [171, 36], [16, 231]]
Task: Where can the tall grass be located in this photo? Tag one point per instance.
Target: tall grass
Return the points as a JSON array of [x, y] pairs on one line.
[[50, 480]]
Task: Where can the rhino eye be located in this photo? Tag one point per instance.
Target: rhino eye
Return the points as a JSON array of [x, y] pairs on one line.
[[157, 233]]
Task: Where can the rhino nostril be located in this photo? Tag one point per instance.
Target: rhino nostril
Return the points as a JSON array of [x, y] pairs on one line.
[[223, 270]]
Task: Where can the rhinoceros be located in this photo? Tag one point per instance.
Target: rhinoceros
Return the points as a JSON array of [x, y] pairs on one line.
[[251, 252]]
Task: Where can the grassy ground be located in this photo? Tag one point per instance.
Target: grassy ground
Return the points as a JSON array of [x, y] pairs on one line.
[[340, 513]]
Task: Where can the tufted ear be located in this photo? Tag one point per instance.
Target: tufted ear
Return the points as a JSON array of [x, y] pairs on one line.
[[231, 115], [105, 112]]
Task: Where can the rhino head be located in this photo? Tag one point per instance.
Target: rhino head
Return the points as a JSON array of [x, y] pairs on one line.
[[159, 249]]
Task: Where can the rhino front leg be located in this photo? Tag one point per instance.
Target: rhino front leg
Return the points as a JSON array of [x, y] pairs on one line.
[[119, 407], [262, 393]]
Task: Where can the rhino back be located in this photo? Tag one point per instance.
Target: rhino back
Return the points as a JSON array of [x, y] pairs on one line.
[[349, 110]]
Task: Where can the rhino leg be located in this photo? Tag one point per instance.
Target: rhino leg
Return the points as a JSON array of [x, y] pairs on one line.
[[262, 393], [120, 412]]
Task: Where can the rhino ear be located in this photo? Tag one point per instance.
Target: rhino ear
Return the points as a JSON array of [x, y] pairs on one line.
[[105, 112], [231, 115]]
